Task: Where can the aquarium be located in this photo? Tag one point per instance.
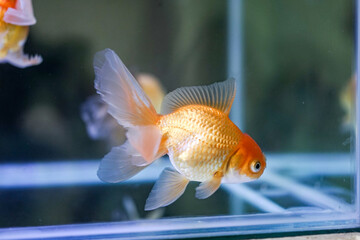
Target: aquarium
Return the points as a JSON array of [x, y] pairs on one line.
[[295, 65]]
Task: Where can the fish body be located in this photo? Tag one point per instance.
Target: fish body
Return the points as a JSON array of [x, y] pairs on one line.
[[16, 33], [200, 140], [193, 128], [15, 18]]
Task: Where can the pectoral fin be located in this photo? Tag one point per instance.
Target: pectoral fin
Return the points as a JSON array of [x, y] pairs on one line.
[[207, 188], [21, 15], [167, 189]]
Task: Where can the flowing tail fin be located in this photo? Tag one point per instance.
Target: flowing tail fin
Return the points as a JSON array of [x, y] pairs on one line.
[[130, 106], [128, 103]]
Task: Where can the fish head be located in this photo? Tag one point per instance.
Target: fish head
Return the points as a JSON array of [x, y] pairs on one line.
[[247, 163]]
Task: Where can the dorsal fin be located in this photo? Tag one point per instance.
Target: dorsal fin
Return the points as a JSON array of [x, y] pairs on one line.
[[217, 95]]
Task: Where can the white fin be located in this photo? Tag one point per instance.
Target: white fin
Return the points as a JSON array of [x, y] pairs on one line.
[[118, 165], [169, 187], [146, 140], [207, 188], [127, 102], [21, 60], [217, 95], [22, 15]]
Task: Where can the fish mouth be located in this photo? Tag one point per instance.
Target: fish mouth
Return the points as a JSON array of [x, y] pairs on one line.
[[234, 176]]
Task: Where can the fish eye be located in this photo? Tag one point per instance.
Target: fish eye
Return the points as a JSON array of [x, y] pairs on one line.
[[255, 166]]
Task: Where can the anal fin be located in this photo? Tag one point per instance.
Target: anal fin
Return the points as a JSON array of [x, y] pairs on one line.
[[118, 165], [167, 189]]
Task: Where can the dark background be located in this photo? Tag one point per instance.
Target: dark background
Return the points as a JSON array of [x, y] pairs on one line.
[[298, 55]]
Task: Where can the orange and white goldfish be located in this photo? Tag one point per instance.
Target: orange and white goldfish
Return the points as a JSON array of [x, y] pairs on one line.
[[15, 18], [194, 129], [100, 125]]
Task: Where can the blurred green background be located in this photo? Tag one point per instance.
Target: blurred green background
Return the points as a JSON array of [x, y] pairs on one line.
[[298, 56]]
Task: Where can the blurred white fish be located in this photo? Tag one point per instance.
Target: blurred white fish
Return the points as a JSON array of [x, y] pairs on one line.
[[15, 18], [100, 125]]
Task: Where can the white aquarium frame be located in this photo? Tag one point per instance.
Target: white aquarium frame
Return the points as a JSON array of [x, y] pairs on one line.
[[323, 211]]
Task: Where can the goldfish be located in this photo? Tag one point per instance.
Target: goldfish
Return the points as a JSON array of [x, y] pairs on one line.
[[347, 102], [193, 128], [101, 125], [15, 18], [152, 88]]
